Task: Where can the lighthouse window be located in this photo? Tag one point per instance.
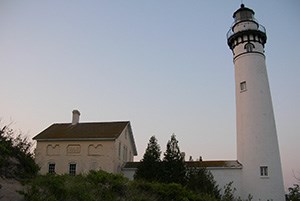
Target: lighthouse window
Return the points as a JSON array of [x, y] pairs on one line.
[[264, 171], [249, 47], [243, 86]]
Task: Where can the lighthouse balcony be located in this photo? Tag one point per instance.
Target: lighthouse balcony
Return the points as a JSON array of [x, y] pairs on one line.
[[260, 28], [235, 38]]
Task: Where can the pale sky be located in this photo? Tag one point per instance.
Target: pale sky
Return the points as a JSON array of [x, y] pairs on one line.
[[163, 65]]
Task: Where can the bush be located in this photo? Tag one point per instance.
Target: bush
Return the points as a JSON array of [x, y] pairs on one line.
[[294, 193], [16, 159], [108, 185], [162, 192], [229, 194], [100, 185], [93, 186], [201, 181]]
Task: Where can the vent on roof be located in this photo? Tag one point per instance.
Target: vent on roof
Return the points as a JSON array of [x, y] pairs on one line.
[[75, 119]]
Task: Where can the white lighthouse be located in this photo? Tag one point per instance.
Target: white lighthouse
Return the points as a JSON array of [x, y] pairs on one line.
[[257, 144]]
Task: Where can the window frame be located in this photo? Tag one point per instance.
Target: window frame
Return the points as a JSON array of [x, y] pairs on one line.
[[249, 47], [120, 150], [243, 86], [72, 169], [51, 168], [264, 171]]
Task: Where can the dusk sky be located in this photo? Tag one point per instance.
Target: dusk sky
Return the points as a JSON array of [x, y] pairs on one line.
[[162, 65]]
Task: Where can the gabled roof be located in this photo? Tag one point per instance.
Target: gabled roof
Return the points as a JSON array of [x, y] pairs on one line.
[[86, 131], [195, 164], [96, 130]]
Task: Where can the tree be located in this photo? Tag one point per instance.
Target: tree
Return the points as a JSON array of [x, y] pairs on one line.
[[149, 167], [173, 163], [201, 181], [16, 159]]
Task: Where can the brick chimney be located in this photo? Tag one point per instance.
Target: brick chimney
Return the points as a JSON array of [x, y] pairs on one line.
[[75, 118]]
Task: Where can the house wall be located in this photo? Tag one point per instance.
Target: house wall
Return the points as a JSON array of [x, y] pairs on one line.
[[87, 155], [129, 172], [124, 150]]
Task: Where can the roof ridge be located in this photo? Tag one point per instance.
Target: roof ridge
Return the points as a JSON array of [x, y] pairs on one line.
[[235, 164], [83, 130], [94, 122]]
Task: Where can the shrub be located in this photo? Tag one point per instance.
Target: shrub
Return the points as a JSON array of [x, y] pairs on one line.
[[16, 159], [294, 193], [100, 185], [201, 181], [163, 191], [93, 186]]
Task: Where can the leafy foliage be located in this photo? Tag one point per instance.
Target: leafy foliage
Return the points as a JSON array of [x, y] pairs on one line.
[[201, 181], [108, 185], [149, 167], [229, 194], [100, 185], [94, 186], [163, 191], [294, 193], [103, 186], [16, 159]]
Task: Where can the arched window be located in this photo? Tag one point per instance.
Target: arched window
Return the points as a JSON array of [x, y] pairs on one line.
[[249, 47]]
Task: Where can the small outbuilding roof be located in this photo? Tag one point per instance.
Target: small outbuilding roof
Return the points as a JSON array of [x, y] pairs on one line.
[[196, 164], [214, 164]]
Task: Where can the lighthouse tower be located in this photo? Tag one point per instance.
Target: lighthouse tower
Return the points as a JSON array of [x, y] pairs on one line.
[[257, 144]]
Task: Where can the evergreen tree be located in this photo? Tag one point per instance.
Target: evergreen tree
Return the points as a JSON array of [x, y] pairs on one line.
[[149, 167], [173, 163]]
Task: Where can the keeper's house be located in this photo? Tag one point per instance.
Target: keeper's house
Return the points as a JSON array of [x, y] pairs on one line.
[[80, 147]]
